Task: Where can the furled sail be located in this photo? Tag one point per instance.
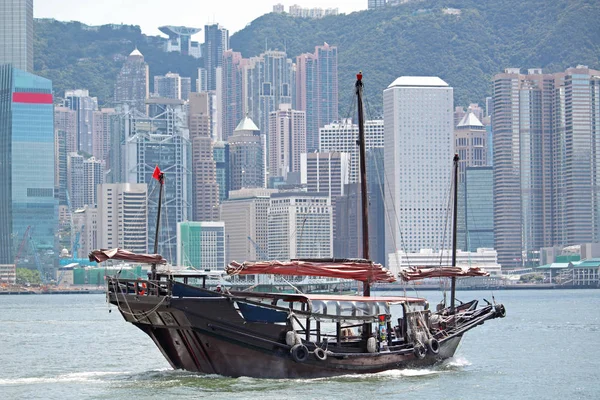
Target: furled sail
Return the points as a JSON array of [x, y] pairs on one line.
[[120, 254], [416, 273], [359, 270]]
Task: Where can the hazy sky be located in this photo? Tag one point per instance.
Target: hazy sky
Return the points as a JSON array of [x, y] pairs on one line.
[[150, 14]]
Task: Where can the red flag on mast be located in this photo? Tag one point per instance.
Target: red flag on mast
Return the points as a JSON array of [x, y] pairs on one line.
[[157, 173]]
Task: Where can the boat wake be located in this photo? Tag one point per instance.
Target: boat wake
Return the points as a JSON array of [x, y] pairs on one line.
[[84, 377]]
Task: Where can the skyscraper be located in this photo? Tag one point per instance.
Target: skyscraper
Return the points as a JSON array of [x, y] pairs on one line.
[[287, 140], [204, 180], [221, 157], [342, 136], [300, 225], [246, 157], [419, 147], [27, 156], [325, 172], [123, 216], [545, 161], [168, 86], [80, 101], [84, 176], [162, 139], [522, 123], [269, 83], [317, 90], [102, 133], [132, 86], [245, 217], [479, 207], [16, 34], [216, 41], [231, 94]]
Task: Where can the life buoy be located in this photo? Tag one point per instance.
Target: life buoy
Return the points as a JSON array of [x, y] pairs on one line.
[[142, 288], [433, 345], [299, 353], [320, 354], [420, 351]]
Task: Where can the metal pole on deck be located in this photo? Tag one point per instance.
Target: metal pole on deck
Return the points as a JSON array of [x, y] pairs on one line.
[[454, 226], [161, 180]]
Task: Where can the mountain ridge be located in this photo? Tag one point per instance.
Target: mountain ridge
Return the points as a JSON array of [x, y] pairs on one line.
[[422, 38]]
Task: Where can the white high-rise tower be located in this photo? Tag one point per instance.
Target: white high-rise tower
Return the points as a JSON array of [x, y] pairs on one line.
[[418, 156]]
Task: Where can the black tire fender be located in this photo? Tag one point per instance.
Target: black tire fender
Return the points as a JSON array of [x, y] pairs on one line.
[[433, 346], [420, 351], [299, 353]]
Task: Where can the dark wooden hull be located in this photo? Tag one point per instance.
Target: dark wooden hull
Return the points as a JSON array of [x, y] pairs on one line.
[[207, 335]]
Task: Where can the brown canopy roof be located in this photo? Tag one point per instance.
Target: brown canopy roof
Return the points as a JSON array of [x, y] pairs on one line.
[[416, 273], [120, 254], [359, 270]]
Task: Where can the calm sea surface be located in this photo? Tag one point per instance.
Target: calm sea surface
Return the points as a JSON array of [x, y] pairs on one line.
[[71, 347]]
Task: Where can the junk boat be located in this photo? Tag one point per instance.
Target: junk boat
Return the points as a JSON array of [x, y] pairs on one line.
[[277, 335]]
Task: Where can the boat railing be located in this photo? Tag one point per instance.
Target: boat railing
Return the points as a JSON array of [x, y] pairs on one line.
[[138, 287]]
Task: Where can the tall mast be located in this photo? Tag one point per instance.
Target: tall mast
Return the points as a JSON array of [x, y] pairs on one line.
[[363, 177], [161, 181], [454, 224]]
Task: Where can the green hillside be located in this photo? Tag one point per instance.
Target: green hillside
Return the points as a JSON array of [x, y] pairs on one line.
[[466, 50], [75, 56], [420, 39]]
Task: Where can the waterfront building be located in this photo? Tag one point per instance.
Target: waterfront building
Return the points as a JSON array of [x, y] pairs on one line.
[[161, 138], [180, 39], [317, 90], [168, 86], [123, 216], [133, 83], [204, 177], [245, 217], [486, 259], [80, 101], [342, 136], [300, 225], [216, 42], [246, 157], [470, 140], [16, 35], [287, 141], [201, 245], [419, 147], [27, 145], [221, 157]]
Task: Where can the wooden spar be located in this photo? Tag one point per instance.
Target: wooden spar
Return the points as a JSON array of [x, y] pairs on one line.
[[363, 177], [454, 226], [161, 181]]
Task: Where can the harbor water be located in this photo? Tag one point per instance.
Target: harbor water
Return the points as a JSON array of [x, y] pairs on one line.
[[72, 347]]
